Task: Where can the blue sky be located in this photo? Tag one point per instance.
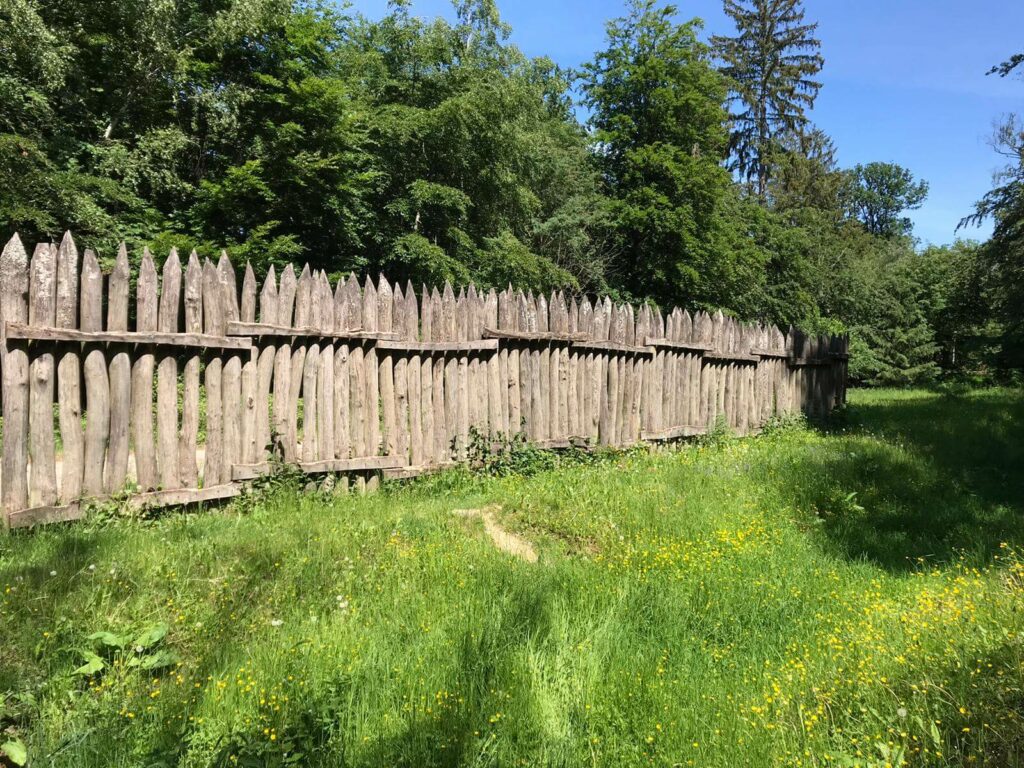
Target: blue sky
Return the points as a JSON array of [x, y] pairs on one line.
[[904, 80]]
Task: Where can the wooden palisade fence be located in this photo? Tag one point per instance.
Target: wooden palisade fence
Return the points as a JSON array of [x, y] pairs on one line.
[[184, 382]]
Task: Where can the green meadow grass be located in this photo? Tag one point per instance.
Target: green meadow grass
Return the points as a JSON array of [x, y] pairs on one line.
[[846, 596]]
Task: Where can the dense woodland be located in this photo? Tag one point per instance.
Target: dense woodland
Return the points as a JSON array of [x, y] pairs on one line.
[[676, 166]]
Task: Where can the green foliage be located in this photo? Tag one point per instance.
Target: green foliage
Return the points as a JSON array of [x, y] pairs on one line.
[[658, 121], [1003, 255], [15, 751], [878, 193], [434, 150]]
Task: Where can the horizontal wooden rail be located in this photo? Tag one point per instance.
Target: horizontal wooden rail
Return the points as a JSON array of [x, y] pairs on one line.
[[237, 328], [26, 518], [438, 346], [492, 333], [673, 434], [809, 362], [408, 473], [366, 464], [613, 346], [770, 353], [690, 346], [731, 357], [36, 333]]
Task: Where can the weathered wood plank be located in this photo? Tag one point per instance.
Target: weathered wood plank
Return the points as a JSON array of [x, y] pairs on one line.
[[283, 360], [188, 439], [241, 472], [372, 373], [42, 310], [731, 357], [636, 366], [674, 433], [143, 434], [356, 365], [616, 377], [438, 347], [232, 376], [325, 376], [310, 443], [250, 373], [69, 370], [553, 368], [602, 329], [342, 408], [97, 381], [167, 376], [414, 376], [542, 382], [496, 423], [613, 347], [587, 374], [511, 367], [449, 388], [183, 496], [239, 328], [532, 336], [45, 515], [663, 343], [692, 361], [426, 372], [386, 369], [303, 313], [264, 367], [462, 380], [574, 404], [23, 331], [213, 322], [437, 333], [526, 414], [120, 377]]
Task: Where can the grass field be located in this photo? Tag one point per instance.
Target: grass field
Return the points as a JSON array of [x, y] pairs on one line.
[[842, 597]]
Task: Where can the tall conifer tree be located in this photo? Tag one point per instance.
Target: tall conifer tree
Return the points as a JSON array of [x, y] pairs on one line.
[[771, 63]]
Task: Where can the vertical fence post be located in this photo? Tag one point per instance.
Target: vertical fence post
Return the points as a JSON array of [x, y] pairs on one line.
[[14, 283], [120, 377]]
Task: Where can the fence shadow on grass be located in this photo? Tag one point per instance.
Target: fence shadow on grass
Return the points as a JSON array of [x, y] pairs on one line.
[[945, 478]]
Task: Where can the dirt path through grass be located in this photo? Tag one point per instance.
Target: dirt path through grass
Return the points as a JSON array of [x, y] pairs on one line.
[[504, 540]]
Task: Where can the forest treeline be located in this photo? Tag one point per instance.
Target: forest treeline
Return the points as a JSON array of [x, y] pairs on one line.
[[675, 166]]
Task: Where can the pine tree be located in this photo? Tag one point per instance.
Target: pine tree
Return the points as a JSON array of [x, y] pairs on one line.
[[771, 65]]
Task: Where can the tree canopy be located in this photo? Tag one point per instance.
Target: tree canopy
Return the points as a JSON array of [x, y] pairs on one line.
[[673, 166]]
